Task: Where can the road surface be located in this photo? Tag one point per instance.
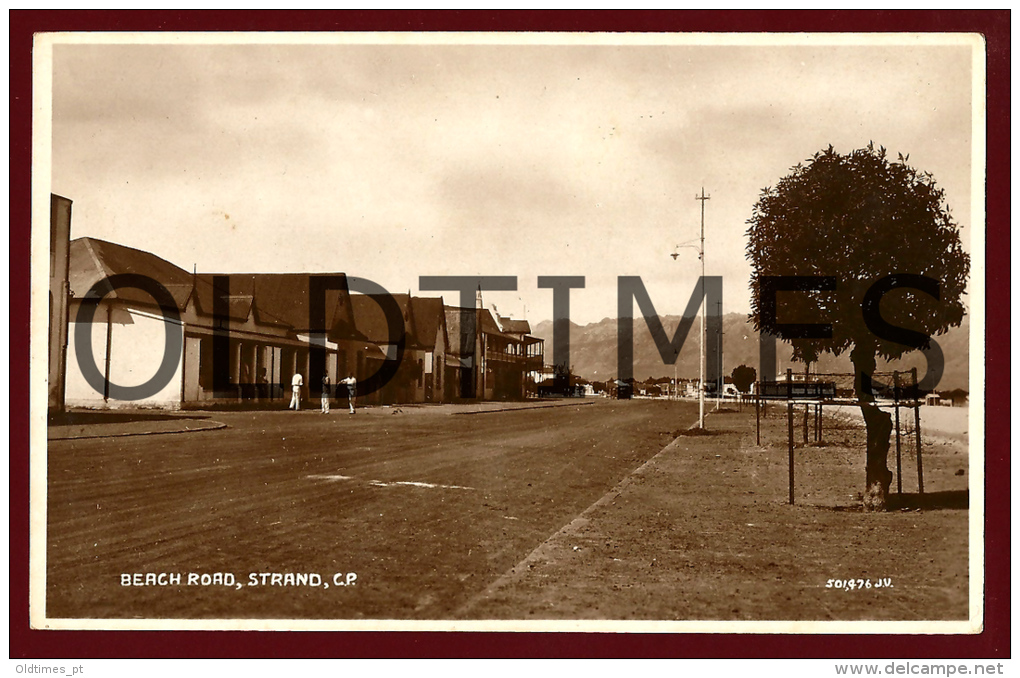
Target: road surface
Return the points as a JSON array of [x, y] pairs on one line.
[[376, 515]]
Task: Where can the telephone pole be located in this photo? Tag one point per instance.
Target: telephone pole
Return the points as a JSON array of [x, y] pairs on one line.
[[704, 303], [721, 378]]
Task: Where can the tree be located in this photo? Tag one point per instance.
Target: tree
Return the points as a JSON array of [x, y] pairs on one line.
[[564, 380], [743, 376], [858, 219], [957, 395]]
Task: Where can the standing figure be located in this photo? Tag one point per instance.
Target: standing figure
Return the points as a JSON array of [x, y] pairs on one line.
[[296, 382], [246, 382], [263, 384], [352, 390], [325, 394]]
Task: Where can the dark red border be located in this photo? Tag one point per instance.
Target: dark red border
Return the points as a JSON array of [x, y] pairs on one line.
[[992, 643]]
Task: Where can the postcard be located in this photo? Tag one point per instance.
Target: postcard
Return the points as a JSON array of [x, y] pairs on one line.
[[600, 332]]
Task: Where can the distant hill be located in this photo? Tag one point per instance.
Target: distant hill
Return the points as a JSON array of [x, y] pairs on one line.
[[593, 351]]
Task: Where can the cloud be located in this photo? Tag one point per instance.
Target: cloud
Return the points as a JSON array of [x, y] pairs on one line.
[[401, 160]]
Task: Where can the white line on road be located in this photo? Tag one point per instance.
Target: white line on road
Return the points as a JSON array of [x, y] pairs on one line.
[[379, 483]]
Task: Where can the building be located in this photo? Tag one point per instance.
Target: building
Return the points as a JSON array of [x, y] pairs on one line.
[[407, 385], [432, 338], [122, 341], [533, 349], [60, 261], [279, 324], [217, 338], [464, 374], [147, 333], [487, 362], [541, 381]]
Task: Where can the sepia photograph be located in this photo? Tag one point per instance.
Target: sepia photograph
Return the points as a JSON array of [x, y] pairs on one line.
[[591, 332]]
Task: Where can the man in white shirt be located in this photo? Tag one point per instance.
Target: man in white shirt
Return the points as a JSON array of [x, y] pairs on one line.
[[352, 390], [296, 382]]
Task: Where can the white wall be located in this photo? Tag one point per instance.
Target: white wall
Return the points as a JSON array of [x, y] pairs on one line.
[[78, 392], [137, 340], [192, 363]]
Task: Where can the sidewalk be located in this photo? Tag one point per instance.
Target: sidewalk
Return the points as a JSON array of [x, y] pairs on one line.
[[475, 407], [82, 424], [545, 403], [703, 531]]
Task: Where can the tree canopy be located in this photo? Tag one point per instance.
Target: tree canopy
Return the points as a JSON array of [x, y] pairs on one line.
[[859, 218], [847, 229], [743, 376]]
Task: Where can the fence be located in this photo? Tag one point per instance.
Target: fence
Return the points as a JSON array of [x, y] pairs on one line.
[[838, 389]]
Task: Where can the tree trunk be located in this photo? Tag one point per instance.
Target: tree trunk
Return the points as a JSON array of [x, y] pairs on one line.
[[807, 378], [879, 428], [877, 475]]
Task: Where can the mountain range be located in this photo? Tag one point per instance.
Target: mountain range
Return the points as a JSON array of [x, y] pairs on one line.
[[593, 351]]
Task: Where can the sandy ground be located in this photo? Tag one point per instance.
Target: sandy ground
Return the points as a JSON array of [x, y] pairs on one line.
[[595, 511], [952, 423], [705, 531]]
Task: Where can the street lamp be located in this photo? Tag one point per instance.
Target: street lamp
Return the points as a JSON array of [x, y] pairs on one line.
[[700, 247], [701, 363]]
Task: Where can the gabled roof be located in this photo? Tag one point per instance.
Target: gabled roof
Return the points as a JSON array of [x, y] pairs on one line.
[[429, 318], [512, 326], [282, 299], [489, 325], [93, 260], [370, 320], [239, 306]]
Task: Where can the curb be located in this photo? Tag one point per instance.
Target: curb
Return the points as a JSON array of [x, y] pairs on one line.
[[210, 426], [520, 568], [518, 409]]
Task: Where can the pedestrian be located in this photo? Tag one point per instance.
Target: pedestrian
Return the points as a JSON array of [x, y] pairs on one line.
[[263, 384], [352, 390], [325, 394], [246, 382], [296, 382]]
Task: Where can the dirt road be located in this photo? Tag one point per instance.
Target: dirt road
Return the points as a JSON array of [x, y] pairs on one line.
[[582, 512], [424, 509]]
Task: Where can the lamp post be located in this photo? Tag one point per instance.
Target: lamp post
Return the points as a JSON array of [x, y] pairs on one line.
[[700, 247], [720, 378], [704, 303]]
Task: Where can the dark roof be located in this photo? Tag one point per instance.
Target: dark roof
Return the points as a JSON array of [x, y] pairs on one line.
[[489, 325], [282, 299], [429, 318], [92, 261], [370, 320], [239, 306], [511, 326]]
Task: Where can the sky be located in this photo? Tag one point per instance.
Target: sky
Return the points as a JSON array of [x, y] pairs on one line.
[[393, 161]]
